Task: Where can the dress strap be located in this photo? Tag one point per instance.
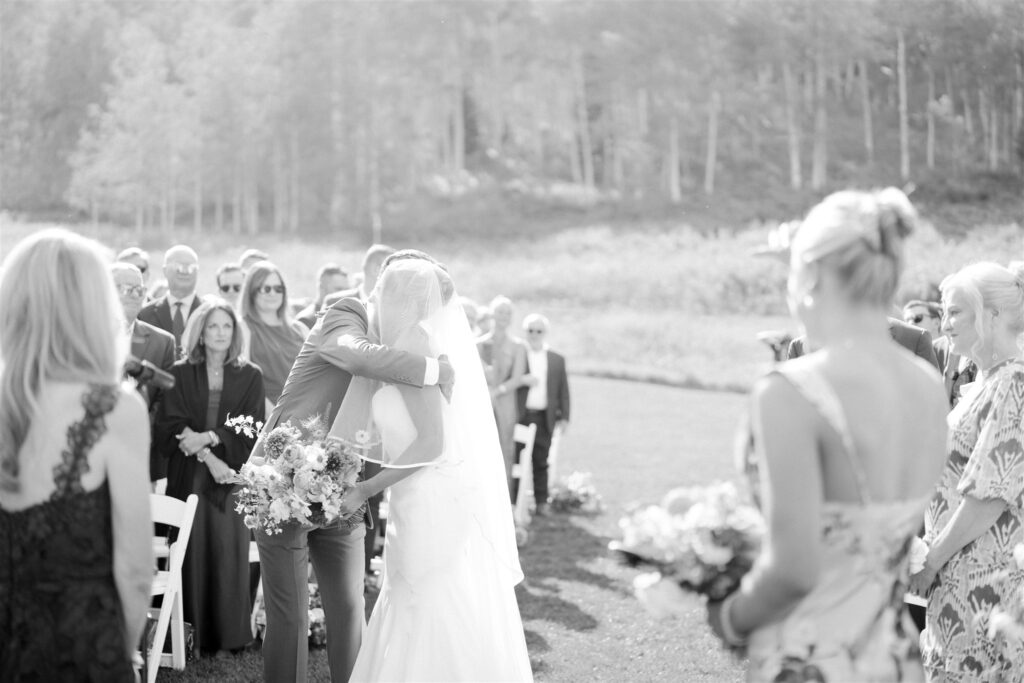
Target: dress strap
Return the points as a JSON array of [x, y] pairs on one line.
[[98, 400], [816, 389]]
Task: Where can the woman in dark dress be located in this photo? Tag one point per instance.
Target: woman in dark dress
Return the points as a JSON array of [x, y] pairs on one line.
[[274, 337], [211, 384], [76, 560]]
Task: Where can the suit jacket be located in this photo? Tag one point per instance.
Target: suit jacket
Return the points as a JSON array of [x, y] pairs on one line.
[[153, 344], [558, 391], [185, 406], [912, 338], [158, 314], [952, 376], [338, 347]]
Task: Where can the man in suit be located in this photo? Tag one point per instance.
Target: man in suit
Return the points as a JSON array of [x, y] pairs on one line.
[[147, 343], [171, 311], [914, 339], [542, 401], [339, 346], [330, 278]]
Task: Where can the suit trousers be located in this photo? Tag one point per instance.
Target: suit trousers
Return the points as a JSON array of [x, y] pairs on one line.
[[337, 556], [541, 447]]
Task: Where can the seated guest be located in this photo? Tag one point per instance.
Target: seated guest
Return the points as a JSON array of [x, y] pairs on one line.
[[250, 257], [230, 279], [274, 338], [976, 516], [148, 343], [924, 314], [76, 562], [847, 444], [171, 311], [330, 278], [211, 383]]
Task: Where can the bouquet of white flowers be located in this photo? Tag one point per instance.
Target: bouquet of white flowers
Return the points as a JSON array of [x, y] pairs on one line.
[[300, 479], [702, 539]]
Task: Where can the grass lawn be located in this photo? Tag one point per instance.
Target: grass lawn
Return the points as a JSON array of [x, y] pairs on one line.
[[582, 622]]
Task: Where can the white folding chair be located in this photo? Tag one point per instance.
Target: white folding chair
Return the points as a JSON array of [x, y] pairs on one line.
[[523, 471], [167, 583]]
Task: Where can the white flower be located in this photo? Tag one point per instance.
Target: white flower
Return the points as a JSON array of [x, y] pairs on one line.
[[710, 552], [362, 436], [1018, 555], [918, 554], [662, 597], [280, 510]]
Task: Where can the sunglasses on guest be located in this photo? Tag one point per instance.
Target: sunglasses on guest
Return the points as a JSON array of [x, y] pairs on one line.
[[534, 330], [184, 268], [134, 291], [267, 289], [229, 288]]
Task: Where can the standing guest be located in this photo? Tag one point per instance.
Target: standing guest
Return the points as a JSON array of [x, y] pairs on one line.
[[472, 310], [274, 338], [957, 370], [251, 257], [504, 359], [230, 279], [330, 278], [75, 527], [843, 477], [138, 258], [212, 382], [543, 401], [148, 343], [924, 314], [977, 514], [171, 311]]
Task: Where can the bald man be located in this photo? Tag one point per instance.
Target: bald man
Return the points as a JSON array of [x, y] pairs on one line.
[[171, 311]]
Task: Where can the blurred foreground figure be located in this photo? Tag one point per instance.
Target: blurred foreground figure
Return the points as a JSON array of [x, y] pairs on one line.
[[847, 448], [76, 564]]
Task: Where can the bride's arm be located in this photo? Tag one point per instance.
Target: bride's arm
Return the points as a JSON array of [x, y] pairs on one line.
[[424, 406], [789, 565]]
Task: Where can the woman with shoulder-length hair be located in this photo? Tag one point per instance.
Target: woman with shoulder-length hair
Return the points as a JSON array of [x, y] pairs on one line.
[[848, 446], [976, 517], [274, 337], [212, 383], [76, 564]]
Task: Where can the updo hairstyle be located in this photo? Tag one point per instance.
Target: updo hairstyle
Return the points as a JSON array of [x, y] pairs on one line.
[[858, 236]]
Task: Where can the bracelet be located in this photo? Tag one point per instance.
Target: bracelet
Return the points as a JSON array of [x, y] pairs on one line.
[[214, 440], [203, 453], [729, 634]]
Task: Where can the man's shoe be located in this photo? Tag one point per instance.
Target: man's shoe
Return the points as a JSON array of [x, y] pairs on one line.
[[541, 511]]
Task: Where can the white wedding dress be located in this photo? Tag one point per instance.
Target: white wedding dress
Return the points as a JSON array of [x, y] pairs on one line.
[[447, 609]]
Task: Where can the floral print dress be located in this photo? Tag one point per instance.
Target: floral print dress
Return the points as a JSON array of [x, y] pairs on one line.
[[853, 626], [986, 461]]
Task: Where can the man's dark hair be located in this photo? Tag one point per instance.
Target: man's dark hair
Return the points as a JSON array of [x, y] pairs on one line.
[[330, 269]]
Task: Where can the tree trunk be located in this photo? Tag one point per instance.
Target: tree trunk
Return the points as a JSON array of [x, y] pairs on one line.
[[675, 194], [901, 69], [497, 84], [218, 209], [583, 120], [930, 118], [236, 201], [278, 172], [709, 162], [993, 127], [968, 118], [819, 158], [295, 197], [792, 126], [197, 203], [983, 120], [865, 106]]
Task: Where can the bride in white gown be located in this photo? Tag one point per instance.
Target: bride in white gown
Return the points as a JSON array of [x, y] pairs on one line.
[[447, 608]]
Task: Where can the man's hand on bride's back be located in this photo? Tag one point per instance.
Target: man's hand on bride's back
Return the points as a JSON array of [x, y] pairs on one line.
[[352, 500], [445, 377]]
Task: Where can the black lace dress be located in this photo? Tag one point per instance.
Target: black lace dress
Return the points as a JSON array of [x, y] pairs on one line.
[[60, 614]]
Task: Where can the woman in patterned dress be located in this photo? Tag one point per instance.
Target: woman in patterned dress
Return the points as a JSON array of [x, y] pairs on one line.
[[977, 514], [848, 445]]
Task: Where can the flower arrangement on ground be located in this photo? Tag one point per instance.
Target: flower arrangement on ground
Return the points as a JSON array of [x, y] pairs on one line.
[[700, 540], [301, 479], [576, 493]]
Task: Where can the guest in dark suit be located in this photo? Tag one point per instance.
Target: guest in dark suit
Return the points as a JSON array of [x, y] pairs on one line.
[[914, 339], [338, 347], [957, 370], [147, 343], [543, 400], [330, 278], [212, 382], [171, 311]]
